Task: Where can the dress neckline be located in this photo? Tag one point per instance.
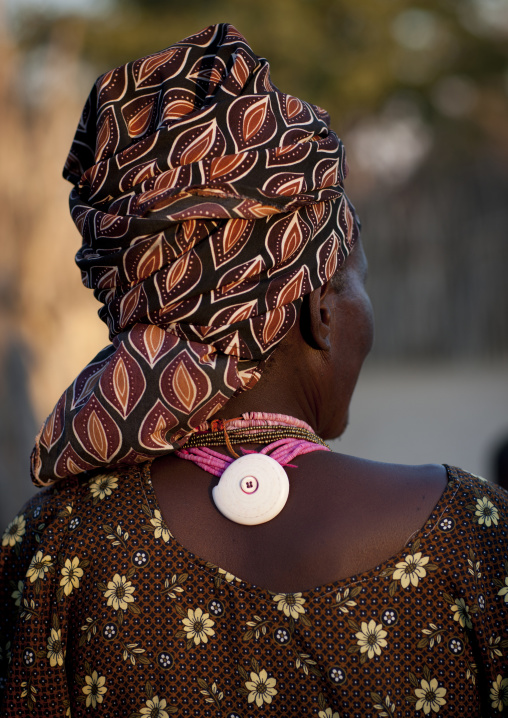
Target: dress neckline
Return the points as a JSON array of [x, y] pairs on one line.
[[434, 518]]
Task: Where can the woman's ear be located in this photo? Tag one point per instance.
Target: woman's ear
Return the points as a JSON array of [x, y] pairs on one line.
[[315, 318]]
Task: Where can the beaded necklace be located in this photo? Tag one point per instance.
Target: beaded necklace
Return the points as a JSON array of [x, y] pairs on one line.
[[253, 488]]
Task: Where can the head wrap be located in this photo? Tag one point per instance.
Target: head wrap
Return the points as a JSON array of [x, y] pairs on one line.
[[209, 203]]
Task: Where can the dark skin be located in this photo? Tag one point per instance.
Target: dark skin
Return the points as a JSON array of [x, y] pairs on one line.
[[344, 515]]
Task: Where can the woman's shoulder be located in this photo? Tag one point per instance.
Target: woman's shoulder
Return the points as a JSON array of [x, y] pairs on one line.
[[42, 510], [379, 508], [47, 503], [484, 503], [58, 510], [418, 487], [474, 483], [427, 488], [400, 497]]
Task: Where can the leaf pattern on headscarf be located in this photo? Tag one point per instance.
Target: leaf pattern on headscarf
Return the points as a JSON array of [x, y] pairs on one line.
[[209, 203]]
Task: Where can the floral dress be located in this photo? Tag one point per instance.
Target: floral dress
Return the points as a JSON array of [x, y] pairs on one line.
[[104, 613]]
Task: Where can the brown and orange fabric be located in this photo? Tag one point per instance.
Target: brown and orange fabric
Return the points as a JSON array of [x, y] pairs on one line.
[[209, 203], [105, 613]]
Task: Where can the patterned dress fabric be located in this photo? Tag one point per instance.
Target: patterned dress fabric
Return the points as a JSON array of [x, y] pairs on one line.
[[209, 203], [104, 613]]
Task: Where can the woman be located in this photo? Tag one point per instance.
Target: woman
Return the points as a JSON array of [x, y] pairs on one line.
[[192, 505]]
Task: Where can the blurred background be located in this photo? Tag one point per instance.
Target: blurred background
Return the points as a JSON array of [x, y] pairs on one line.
[[418, 92]]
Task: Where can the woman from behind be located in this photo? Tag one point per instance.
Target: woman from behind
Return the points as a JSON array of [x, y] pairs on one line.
[[199, 550]]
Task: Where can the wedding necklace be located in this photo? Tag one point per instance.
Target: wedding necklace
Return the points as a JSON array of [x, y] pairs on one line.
[[253, 488]]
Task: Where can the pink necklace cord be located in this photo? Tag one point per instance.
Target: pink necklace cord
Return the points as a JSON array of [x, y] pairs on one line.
[[283, 451]]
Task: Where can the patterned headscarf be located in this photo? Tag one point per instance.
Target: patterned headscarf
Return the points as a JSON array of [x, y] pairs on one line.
[[209, 203]]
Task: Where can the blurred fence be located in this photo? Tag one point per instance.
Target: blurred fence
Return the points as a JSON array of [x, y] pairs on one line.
[[438, 250]]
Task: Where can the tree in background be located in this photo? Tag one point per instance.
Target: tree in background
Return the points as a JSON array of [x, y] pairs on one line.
[[445, 61]]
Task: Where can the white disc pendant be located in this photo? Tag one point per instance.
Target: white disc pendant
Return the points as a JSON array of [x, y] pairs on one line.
[[252, 490]]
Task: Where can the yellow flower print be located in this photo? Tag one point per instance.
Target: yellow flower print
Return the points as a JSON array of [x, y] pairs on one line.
[[119, 592], [155, 708], [385, 705], [17, 594], [499, 693], [28, 609], [29, 692], [198, 626], [290, 603], [131, 652], [102, 486], [345, 602], [461, 613], [486, 511], [261, 688], [411, 569], [39, 566], [94, 689], [14, 532], [494, 649], [471, 672], [55, 648], [71, 573], [229, 577], [161, 530], [474, 568], [24, 686], [371, 638], [214, 695], [328, 714], [502, 591], [430, 696]]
